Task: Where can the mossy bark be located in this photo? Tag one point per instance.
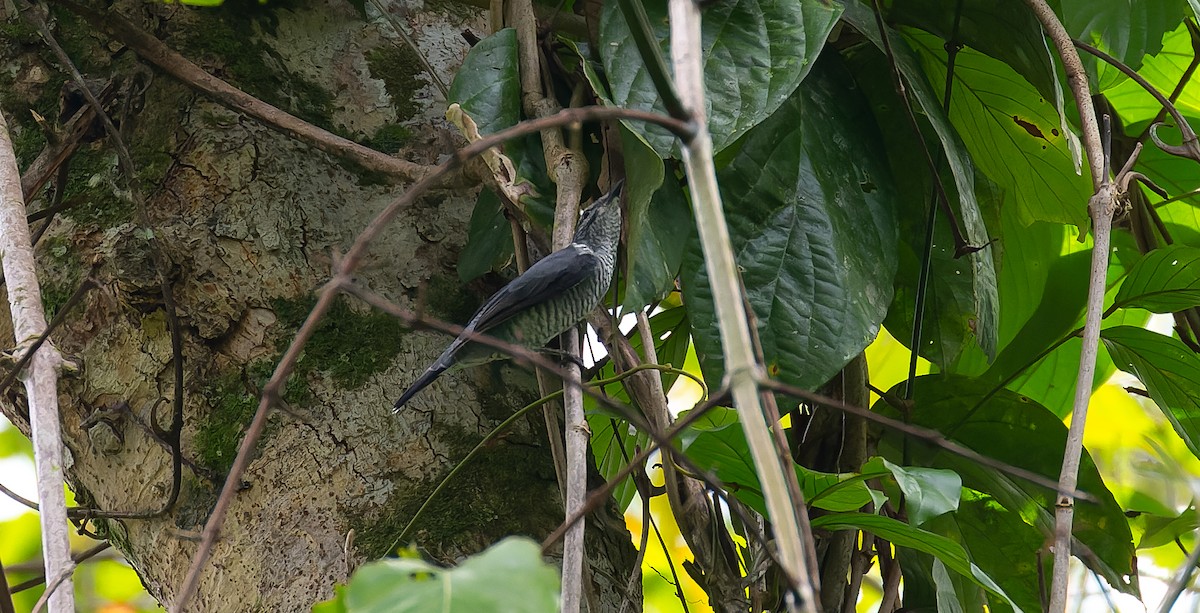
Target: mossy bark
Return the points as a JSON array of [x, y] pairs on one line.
[[249, 221]]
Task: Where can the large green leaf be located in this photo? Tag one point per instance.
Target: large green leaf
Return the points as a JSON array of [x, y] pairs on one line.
[[1007, 31], [1018, 431], [1000, 543], [718, 444], [1012, 133], [903, 535], [508, 576], [928, 492], [809, 201], [489, 238], [1163, 70], [1043, 287], [962, 306], [1166, 280], [660, 225], [755, 54], [1170, 372], [1126, 30], [487, 87]]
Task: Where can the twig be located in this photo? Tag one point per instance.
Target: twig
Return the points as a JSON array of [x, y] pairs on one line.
[[78, 558], [18, 498], [688, 501], [961, 245], [62, 580], [87, 285], [56, 153], [568, 168], [346, 265], [41, 378], [931, 437], [1189, 148], [651, 53], [412, 45], [486, 441], [1180, 581], [6, 603], [741, 369], [1101, 208], [155, 51]]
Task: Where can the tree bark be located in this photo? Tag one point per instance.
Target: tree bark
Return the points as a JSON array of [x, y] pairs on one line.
[[249, 221]]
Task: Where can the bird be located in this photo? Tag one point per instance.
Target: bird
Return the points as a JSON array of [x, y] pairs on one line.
[[550, 297]]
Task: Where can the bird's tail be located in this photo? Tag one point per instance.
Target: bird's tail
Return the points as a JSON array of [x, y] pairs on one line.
[[430, 374]]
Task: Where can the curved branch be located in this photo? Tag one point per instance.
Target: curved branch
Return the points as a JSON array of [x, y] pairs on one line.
[[158, 53]]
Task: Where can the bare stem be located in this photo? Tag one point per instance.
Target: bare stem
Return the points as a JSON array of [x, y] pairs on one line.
[[40, 378], [1101, 207], [741, 368]]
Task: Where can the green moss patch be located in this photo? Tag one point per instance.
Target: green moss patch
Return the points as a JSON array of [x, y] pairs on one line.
[[348, 345]]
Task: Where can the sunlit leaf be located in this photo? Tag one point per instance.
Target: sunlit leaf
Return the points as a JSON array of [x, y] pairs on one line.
[[1013, 134], [1170, 372], [903, 535], [1017, 431], [755, 54], [1164, 281], [508, 576]]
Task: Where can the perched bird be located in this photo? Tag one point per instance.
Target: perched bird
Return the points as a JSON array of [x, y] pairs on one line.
[[554, 294]]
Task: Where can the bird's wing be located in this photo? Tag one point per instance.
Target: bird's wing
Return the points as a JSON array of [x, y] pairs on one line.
[[546, 279]]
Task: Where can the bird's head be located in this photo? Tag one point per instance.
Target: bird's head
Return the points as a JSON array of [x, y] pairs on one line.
[[600, 224]]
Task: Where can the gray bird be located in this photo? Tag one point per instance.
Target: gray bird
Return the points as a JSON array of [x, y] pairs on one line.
[[548, 299]]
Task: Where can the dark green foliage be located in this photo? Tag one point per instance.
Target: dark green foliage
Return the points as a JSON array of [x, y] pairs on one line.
[[812, 221]]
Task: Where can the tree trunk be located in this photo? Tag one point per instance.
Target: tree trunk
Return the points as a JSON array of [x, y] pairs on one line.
[[249, 221]]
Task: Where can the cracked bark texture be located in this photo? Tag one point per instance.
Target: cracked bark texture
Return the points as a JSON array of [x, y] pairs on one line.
[[248, 220]]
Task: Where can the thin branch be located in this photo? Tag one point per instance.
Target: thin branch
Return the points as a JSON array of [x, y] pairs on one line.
[[61, 581], [18, 498], [77, 558], [1101, 208], [1180, 581], [6, 602], [59, 317], [63, 145], [931, 437], [156, 52], [345, 266], [1166, 103], [41, 377], [651, 54], [741, 368], [412, 45], [567, 167], [961, 245]]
